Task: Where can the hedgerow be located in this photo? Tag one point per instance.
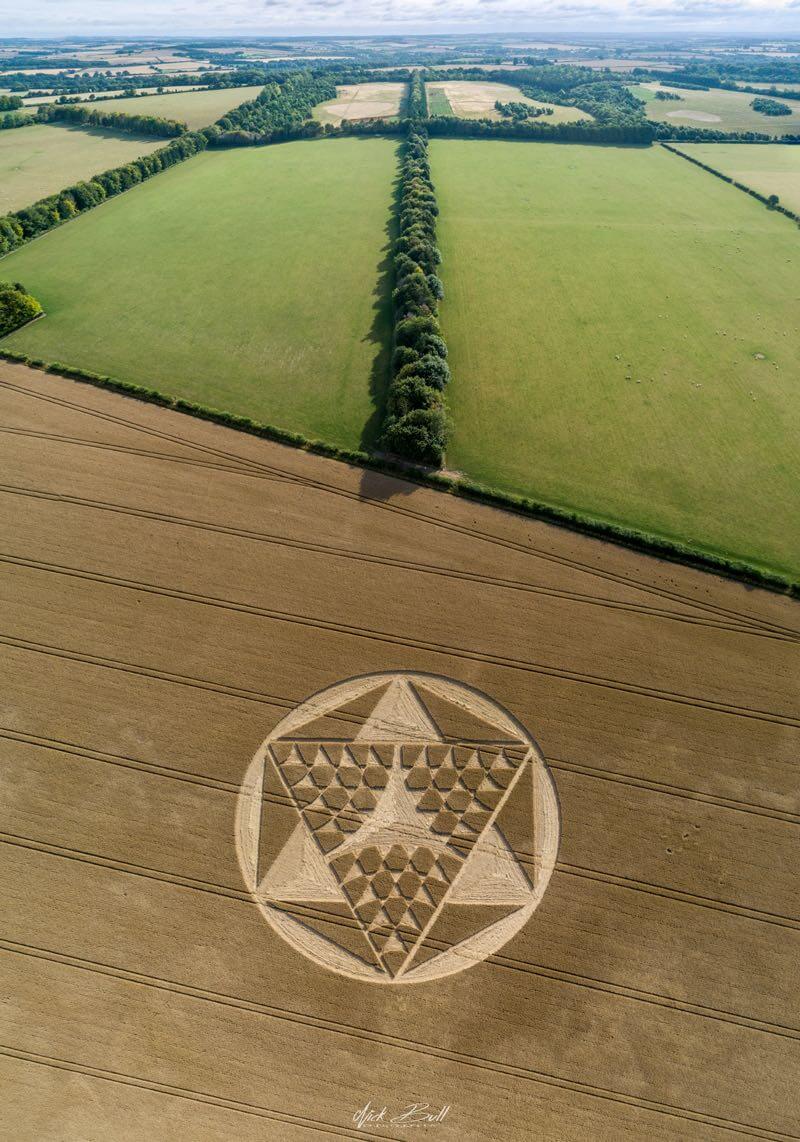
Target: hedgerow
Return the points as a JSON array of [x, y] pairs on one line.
[[116, 120], [627, 537], [417, 425]]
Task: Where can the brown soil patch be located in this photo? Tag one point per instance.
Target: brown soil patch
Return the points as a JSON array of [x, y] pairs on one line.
[[171, 591]]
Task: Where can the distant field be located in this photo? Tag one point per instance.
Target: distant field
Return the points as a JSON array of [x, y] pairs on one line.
[[245, 280], [621, 65], [768, 168], [195, 108], [624, 340], [476, 100], [363, 101], [766, 87], [715, 110], [39, 160]]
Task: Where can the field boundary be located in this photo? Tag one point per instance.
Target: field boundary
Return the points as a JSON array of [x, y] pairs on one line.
[[656, 546], [762, 198]]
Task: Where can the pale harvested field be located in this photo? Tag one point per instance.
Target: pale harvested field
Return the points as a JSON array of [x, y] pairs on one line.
[[170, 590], [363, 101], [470, 99]]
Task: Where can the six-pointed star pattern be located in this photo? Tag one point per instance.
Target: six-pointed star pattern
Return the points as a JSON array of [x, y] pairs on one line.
[[398, 827]]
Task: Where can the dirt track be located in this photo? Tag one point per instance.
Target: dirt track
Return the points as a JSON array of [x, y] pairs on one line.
[[171, 590]]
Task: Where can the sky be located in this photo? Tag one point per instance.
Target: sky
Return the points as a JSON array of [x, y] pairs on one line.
[[43, 18]]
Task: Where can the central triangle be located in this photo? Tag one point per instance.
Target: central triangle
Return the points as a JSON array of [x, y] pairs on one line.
[[398, 716]]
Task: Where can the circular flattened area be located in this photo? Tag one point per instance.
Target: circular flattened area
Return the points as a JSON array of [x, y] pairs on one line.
[[398, 827]]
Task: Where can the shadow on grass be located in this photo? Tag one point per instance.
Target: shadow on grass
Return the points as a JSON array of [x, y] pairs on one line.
[[380, 333]]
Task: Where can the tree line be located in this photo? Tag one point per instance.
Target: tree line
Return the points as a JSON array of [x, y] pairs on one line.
[[668, 132], [65, 84], [417, 104], [84, 116], [12, 119], [579, 132], [416, 424], [10, 102], [276, 113]]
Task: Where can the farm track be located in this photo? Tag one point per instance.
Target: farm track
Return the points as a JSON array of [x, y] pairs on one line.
[[263, 469], [141, 679]]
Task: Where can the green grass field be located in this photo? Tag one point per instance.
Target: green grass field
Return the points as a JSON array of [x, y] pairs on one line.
[[247, 280], [606, 311], [715, 110], [768, 168], [195, 108], [40, 160], [438, 103]]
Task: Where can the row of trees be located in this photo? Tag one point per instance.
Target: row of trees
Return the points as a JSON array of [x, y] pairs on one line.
[[671, 133], [17, 307], [12, 119], [10, 102], [580, 132], [65, 84], [417, 107], [276, 113], [84, 116], [22, 225], [417, 425]]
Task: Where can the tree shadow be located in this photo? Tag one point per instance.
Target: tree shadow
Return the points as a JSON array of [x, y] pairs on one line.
[[381, 331]]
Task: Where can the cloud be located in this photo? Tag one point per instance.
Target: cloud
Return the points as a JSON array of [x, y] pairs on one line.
[[329, 17]]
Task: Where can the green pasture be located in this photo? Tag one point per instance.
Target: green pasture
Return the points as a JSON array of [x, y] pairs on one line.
[[770, 168], [438, 103], [624, 340], [715, 110], [249, 280], [39, 160], [195, 108]]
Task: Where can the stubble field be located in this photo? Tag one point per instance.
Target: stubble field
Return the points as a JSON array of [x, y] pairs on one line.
[[250, 281], [623, 339], [467, 99], [170, 590], [40, 160], [363, 101]]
